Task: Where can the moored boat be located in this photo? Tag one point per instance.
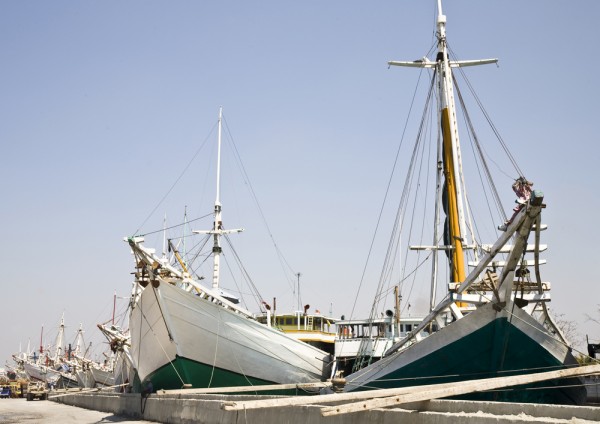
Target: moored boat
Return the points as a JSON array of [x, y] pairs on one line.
[[315, 329], [360, 342], [184, 334], [493, 319]]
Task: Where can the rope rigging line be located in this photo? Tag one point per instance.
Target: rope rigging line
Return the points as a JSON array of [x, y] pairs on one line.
[[212, 371], [199, 247], [406, 277], [480, 153], [245, 273], [406, 191], [394, 240], [177, 179], [173, 226], [412, 223], [488, 118], [405, 195], [387, 193], [235, 281], [283, 261]]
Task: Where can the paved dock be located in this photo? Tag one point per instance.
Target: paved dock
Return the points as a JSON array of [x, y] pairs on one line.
[[215, 409], [44, 412]]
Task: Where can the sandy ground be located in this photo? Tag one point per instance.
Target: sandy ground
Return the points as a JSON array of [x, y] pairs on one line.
[[43, 411]]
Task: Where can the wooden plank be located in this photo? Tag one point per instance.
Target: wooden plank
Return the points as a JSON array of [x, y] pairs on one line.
[[241, 389], [79, 390], [460, 388], [526, 262], [508, 247], [324, 399]]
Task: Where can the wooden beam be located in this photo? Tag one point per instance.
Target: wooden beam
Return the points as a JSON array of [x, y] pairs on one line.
[[460, 388], [323, 399], [360, 396], [241, 389]]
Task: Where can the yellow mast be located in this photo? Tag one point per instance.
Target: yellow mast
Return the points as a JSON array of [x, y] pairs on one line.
[[457, 263], [451, 152]]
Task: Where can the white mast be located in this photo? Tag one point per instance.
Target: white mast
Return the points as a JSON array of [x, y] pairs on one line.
[[60, 339], [79, 343], [218, 224], [217, 230]]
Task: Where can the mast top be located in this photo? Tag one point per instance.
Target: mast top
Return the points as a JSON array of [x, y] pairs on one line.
[[441, 22], [218, 199], [441, 34]]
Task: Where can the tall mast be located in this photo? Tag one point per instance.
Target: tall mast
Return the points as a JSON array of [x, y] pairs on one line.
[[218, 223], [450, 152], [218, 230], [60, 338], [218, 200], [114, 307], [42, 341], [450, 149], [79, 340]]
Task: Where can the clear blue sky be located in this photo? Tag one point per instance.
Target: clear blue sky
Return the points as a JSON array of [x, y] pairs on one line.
[[103, 104]]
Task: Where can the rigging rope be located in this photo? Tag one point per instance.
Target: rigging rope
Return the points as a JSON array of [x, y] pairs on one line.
[[385, 197], [173, 226], [177, 179], [258, 298], [393, 243], [489, 120], [282, 259], [480, 152]]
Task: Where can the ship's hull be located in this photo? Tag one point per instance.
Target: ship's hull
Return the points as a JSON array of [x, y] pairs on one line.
[[483, 344], [102, 377], [124, 375], [41, 373], [68, 381], [85, 379], [179, 338]]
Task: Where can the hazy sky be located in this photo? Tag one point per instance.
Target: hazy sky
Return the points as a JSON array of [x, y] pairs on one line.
[[104, 104]]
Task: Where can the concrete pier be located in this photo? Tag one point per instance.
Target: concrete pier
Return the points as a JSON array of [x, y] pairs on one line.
[[207, 409]]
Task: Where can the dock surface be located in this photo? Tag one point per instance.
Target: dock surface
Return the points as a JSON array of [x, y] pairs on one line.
[[216, 409], [19, 410]]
